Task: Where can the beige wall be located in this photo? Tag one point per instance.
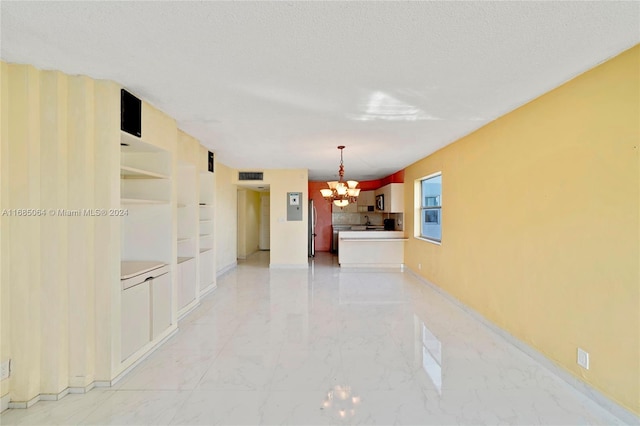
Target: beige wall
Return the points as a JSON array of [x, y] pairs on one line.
[[57, 144], [5, 294], [248, 222], [188, 149], [288, 238], [540, 225], [226, 217], [60, 287], [288, 245]]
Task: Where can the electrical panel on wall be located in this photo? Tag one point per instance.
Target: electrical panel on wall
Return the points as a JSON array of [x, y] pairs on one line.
[[294, 206]]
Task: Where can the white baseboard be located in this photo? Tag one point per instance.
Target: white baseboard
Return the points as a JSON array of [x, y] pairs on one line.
[[4, 402], [188, 309], [24, 404], [208, 290], [226, 269], [139, 360], [81, 389], [590, 392], [54, 396]]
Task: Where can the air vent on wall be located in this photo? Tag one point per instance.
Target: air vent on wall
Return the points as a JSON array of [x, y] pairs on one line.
[[250, 175], [130, 113]]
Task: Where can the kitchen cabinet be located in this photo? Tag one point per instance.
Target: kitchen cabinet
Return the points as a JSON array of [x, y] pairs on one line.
[[366, 200], [377, 249], [393, 194]]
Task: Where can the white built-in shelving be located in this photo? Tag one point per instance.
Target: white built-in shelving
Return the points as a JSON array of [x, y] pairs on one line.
[[146, 237], [187, 280], [127, 172], [206, 231]]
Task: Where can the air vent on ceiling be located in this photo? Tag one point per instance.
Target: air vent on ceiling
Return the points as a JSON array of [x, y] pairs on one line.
[[250, 175]]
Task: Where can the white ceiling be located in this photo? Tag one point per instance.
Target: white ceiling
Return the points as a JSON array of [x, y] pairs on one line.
[[281, 84]]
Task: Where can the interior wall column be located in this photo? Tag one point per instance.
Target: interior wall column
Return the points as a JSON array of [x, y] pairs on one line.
[[54, 305], [81, 163], [24, 193]]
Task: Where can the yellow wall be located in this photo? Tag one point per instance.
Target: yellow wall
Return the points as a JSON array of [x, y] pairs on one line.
[[288, 238], [288, 245], [541, 224], [60, 147], [60, 276], [226, 217], [5, 295], [248, 222], [188, 149]]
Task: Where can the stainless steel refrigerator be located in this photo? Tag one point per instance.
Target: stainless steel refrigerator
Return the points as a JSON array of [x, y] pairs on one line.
[[313, 217]]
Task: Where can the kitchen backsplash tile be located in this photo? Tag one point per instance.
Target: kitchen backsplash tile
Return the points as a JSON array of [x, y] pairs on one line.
[[356, 218], [341, 218]]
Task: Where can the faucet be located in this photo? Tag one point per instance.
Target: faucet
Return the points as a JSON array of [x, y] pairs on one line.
[[368, 222]]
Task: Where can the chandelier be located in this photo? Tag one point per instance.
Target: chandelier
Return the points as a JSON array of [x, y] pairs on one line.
[[340, 192]]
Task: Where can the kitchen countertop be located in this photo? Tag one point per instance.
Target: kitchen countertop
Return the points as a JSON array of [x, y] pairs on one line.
[[358, 227], [368, 234]]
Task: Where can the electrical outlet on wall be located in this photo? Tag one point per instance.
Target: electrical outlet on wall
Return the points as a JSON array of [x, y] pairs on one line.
[[419, 266], [583, 358], [5, 369]]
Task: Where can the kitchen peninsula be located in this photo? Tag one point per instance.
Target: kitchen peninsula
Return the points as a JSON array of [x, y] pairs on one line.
[[381, 249]]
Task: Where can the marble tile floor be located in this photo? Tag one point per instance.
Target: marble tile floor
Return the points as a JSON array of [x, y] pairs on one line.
[[327, 346]]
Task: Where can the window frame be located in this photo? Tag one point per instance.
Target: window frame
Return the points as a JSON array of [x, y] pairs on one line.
[[421, 210]]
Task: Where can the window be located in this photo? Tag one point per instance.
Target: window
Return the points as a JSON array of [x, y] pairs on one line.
[[430, 208]]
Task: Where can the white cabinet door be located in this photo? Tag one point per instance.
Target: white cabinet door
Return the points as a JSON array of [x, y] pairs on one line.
[[186, 283], [385, 192], [396, 191], [207, 266], [161, 309], [393, 194], [366, 198], [136, 319]]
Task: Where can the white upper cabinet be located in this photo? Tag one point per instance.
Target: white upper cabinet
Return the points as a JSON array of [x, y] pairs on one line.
[[366, 199], [393, 198]]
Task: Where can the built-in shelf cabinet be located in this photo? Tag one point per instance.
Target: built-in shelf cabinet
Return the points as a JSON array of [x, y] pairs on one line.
[[188, 243], [146, 235], [206, 255], [127, 172]]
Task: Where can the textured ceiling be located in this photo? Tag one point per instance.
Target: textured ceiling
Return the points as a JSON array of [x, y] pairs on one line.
[[281, 84]]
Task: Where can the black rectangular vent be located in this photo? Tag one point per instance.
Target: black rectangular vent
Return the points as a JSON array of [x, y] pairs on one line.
[[210, 162], [130, 113], [250, 175]]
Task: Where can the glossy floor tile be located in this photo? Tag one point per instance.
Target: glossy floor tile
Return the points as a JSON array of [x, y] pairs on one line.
[[327, 346]]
